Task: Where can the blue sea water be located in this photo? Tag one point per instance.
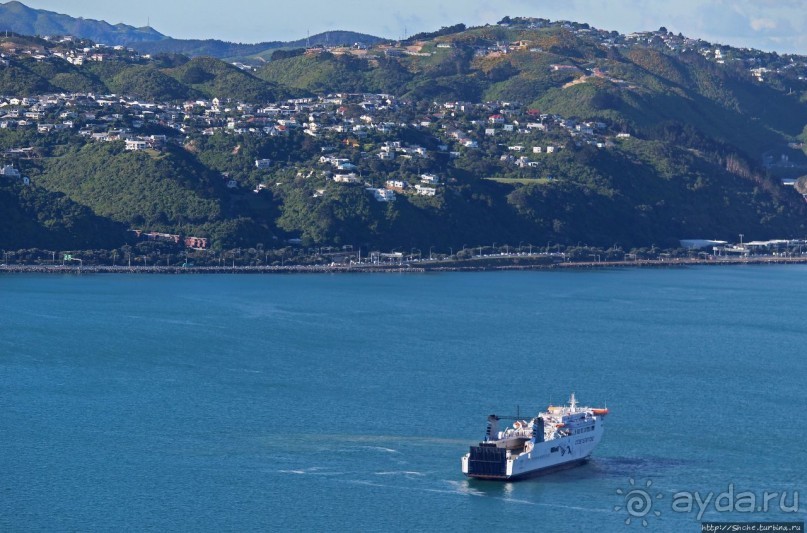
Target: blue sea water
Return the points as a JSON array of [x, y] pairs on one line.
[[344, 402]]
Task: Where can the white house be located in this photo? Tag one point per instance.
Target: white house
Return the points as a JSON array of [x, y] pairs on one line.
[[346, 178], [398, 185], [135, 145], [382, 195], [425, 191]]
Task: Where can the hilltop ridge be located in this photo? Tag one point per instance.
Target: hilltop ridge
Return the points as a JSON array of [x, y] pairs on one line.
[[18, 18]]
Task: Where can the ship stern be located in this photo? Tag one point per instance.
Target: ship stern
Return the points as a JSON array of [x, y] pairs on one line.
[[485, 461]]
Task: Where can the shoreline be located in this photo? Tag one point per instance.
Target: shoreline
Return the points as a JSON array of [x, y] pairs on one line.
[[482, 265]]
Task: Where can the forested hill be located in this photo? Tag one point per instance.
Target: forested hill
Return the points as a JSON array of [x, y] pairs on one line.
[[18, 18], [526, 131]]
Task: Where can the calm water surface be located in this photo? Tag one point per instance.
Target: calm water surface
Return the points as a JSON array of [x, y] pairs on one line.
[[344, 402]]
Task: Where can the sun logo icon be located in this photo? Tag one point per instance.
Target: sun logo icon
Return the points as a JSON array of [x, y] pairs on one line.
[[638, 502]]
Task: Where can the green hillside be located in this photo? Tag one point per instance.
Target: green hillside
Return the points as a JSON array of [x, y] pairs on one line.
[[34, 216], [322, 73], [169, 192], [653, 139], [214, 78]]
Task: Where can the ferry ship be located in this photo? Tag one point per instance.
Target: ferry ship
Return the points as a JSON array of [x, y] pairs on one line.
[[558, 438]]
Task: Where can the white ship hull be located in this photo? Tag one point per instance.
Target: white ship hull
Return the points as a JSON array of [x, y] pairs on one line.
[[525, 453]]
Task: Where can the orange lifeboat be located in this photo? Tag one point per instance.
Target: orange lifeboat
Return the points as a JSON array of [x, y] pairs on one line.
[[600, 412]]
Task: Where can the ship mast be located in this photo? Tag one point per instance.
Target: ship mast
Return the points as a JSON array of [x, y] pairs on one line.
[[572, 402]]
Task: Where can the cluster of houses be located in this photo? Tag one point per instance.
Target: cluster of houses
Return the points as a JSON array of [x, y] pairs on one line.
[[760, 65], [74, 51], [340, 124], [343, 125]]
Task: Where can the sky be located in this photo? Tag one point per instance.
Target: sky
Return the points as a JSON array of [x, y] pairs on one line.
[[772, 25]]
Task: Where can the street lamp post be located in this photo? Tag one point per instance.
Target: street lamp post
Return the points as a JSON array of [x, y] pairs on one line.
[[430, 252]]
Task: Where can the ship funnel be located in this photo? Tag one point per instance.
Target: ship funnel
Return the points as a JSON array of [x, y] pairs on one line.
[[492, 430], [538, 429]]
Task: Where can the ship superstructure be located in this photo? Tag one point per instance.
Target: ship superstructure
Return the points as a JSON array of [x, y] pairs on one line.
[[560, 437]]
